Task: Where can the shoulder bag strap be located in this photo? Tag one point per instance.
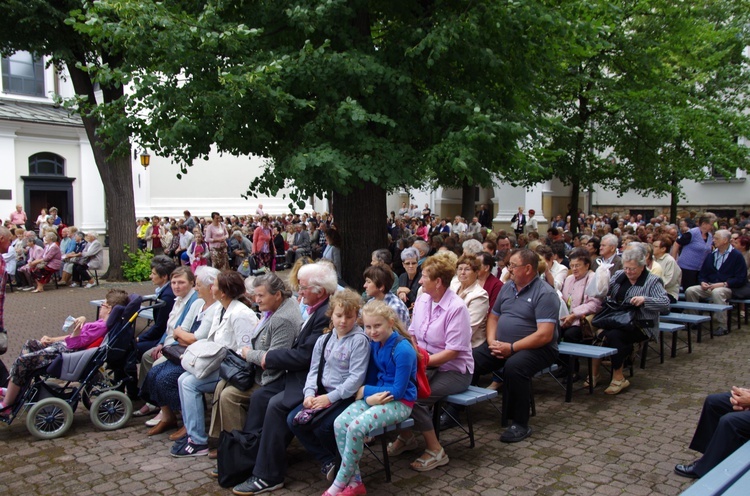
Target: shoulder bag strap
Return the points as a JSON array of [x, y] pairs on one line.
[[322, 363]]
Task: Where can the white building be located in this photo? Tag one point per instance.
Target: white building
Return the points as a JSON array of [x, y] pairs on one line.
[[47, 161]]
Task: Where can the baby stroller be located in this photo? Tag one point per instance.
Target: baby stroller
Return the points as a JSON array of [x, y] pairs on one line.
[[53, 395]]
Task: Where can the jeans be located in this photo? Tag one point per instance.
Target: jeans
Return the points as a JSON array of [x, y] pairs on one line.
[[193, 409]]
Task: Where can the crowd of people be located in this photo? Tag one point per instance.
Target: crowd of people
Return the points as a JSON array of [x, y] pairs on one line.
[[329, 364]]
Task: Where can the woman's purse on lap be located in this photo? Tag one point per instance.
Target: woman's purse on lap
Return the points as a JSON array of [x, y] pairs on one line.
[[202, 358], [236, 371], [174, 353], [617, 316]]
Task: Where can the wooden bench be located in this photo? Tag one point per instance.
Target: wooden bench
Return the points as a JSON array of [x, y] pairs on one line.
[[737, 303], [664, 327], [701, 308], [729, 478], [689, 319], [466, 399], [587, 351], [379, 432]]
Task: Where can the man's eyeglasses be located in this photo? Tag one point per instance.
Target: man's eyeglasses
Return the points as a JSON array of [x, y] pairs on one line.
[[411, 263], [512, 266], [305, 288]]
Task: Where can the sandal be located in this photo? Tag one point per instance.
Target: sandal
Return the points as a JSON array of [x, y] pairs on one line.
[[615, 387], [433, 461], [586, 382], [406, 445]]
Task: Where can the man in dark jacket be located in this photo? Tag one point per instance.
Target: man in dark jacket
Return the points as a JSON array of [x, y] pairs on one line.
[[161, 270], [270, 405], [722, 270]]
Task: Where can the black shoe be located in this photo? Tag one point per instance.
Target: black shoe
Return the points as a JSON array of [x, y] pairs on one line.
[[686, 471], [446, 421], [515, 433], [721, 332]]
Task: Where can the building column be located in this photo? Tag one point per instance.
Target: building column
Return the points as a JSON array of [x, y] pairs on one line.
[[10, 172], [90, 205]]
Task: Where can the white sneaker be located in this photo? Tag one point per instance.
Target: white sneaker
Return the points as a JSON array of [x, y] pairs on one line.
[[90, 285], [29, 288], [74, 285]]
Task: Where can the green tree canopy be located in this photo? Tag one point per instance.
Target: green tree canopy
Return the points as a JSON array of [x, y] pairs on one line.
[[351, 97]]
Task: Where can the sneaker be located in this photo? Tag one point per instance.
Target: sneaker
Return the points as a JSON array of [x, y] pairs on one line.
[[515, 433], [191, 449], [90, 285], [255, 485], [328, 470], [355, 490], [179, 444], [29, 288], [214, 473], [74, 285]]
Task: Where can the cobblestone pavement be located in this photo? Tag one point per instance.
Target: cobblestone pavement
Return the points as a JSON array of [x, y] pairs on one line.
[[627, 444]]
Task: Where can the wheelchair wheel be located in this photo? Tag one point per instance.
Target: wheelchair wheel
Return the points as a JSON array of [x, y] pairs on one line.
[[49, 418], [111, 410], [91, 390]]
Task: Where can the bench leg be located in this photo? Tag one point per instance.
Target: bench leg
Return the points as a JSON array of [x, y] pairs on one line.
[[569, 378], [591, 375], [674, 343], [661, 347], [437, 408], [711, 327], [386, 459], [644, 351], [470, 423]]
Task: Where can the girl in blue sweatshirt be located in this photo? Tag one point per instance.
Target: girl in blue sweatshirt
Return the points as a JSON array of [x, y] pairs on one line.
[[387, 397]]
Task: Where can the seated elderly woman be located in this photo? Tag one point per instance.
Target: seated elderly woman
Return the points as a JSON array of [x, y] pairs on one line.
[[92, 257], [408, 282], [42, 269], [280, 323], [193, 322], [466, 286], [580, 305], [232, 327], [377, 281], [71, 253], [33, 252], [37, 354], [439, 325], [633, 285]]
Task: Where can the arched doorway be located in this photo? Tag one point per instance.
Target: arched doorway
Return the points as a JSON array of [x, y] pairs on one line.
[[47, 186]]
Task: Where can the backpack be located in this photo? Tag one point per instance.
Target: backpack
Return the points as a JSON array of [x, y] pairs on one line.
[[422, 383]]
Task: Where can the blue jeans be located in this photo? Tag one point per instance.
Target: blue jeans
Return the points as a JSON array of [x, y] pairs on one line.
[[321, 440], [193, 409]]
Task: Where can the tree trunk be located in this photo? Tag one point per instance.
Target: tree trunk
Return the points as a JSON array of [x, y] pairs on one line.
[[361, 221], [116, 176], [467, 201], [575, 191], [674, 198]]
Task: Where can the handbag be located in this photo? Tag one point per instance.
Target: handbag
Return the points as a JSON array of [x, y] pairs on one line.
[[234, 462], [174, 353], [587, 330], [236, 371], [617, 316], [203, 358]]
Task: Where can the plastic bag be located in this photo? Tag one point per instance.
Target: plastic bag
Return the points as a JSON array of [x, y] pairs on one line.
[[599, 285], [69, 321]]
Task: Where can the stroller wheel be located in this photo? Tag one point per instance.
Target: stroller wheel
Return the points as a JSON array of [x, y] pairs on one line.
[[91, 390], [111, 410], [49, 418]]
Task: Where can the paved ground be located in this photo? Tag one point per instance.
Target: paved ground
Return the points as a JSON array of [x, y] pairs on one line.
[[597, 444]]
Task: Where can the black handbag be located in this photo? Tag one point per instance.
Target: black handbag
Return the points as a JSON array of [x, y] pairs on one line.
[[173, 353], [234, 462], [617, 316], [236, 371]]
